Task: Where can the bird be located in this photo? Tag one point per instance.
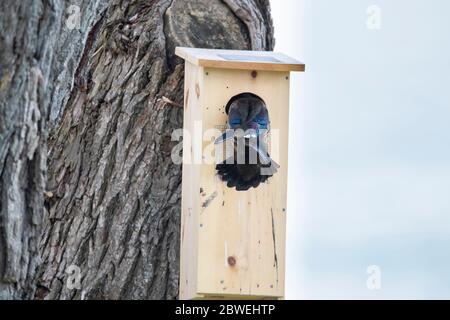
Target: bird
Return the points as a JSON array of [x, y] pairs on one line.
[[248, 124]]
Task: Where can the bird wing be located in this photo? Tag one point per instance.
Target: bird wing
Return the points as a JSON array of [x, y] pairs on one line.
[[227, 135], [261, 149]]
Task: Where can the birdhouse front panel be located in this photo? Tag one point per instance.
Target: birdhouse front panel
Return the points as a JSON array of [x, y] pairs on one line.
[[242, 234], [232, 241]]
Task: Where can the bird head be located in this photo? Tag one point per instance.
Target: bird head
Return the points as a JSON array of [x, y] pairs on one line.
[[247, 117]]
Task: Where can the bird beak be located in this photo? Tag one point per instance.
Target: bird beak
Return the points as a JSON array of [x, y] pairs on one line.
[[251, 135], [231, 134]]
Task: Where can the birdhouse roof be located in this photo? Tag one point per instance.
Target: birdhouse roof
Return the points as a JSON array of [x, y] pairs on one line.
[[239, 59]]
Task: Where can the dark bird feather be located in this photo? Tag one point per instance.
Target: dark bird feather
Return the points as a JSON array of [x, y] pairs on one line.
[[251, 165]]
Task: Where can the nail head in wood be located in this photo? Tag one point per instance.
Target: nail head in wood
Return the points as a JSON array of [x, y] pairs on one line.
[[231, 261]]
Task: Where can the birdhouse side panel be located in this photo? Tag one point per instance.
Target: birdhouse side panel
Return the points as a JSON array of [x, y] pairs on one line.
[[191, 173]]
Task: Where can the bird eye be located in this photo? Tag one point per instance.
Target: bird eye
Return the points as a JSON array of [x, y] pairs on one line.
[[235, 122]]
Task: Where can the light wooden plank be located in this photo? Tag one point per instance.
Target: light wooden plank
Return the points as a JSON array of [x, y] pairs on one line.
[[249, 226], [240, 59], [191, 184], [219, 222]]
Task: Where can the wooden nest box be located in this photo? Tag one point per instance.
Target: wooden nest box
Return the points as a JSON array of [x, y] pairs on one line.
[[232, 242]]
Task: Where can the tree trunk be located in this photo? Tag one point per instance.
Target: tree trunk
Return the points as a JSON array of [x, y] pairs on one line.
[[99, 218], [38, 57]]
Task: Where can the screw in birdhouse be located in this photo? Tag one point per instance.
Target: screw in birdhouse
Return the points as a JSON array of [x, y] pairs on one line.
[[287, 78], [254, 74], [231, 261], [207, 73]]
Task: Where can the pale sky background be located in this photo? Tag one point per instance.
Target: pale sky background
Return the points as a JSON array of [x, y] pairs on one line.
[[369, 148]]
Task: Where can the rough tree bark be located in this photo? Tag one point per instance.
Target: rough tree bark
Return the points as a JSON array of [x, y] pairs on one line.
[[38, 58], [87, 181]]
